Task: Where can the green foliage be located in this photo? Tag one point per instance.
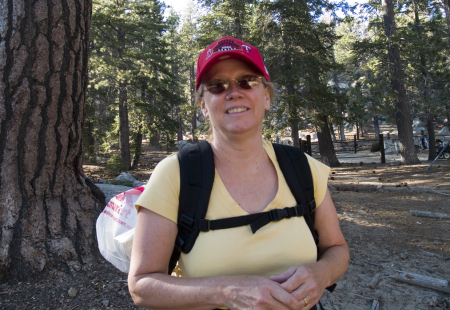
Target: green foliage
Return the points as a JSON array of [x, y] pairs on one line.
[[130, 53], [320, 64], [116, 164]]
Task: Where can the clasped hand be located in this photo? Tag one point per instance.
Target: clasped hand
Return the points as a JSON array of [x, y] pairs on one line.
[[304, 282], [299, 287]]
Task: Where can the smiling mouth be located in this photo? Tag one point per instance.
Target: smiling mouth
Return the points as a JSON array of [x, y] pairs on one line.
[[236, 110]]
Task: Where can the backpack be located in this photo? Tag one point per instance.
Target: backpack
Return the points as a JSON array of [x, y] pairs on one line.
[[196, 181]]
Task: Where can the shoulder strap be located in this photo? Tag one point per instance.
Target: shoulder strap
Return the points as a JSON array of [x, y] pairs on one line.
[[196, 182], [300, 183], [295, 167]]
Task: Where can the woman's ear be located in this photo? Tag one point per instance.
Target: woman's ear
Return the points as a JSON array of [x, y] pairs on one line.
[[204, 109], [267, 99]]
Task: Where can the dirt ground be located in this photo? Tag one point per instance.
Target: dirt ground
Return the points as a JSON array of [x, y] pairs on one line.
[[382, 235]]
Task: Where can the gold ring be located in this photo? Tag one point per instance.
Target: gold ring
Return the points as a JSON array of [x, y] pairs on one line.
[[306, 302]]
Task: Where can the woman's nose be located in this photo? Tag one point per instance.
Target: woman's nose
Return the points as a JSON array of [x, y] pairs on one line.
[[233, 90]]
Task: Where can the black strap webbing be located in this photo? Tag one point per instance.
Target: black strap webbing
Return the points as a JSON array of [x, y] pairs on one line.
[[196, 181], [298, 179], [256, 221]]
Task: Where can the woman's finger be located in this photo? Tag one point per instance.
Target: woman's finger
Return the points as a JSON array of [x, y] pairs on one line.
[[284, 276], [286, 299]]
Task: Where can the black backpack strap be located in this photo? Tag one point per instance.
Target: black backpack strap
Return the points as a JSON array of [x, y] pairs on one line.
[[256, 220], [196, 181], [295, 167], [300, 183]]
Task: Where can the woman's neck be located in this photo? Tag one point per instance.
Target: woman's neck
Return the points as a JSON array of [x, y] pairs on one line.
[[238, 152]]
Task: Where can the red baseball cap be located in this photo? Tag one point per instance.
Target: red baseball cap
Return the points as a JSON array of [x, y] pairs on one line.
[[229, 48]]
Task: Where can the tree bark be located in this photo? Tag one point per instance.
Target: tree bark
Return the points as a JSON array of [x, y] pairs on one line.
[[376, 126], [431, 136], [402, 110], [326, 147], [333, 135], [341, 126], [48, 208], [426, 88], [180, 125], [124, 129], [137, 148]]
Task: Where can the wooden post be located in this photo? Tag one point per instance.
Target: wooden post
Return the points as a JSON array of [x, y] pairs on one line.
[[354, 142], [300, 143], [383, 157], [308, 144]]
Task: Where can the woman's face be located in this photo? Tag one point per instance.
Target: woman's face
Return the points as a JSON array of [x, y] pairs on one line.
[[236, 110]]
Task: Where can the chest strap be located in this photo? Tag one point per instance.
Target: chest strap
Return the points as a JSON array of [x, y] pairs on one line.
[[256, 221]]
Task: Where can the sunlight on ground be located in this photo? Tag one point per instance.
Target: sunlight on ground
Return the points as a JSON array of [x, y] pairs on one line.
[[346, 217]]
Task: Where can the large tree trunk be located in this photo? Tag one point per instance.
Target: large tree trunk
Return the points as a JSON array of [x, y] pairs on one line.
[[402, 111], [48, 208], [326, 147]]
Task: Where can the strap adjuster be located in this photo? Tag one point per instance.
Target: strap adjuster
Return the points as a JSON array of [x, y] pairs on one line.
[[179, 243], [311, 206], [186, 221], [278, 214], [204, 225]]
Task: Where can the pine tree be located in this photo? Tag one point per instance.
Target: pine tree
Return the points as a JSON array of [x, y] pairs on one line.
[[130, 61]]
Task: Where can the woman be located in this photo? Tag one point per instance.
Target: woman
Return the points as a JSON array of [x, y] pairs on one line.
[[276, 267]]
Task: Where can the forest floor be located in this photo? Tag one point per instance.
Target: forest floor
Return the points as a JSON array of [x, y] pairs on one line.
[[382, 236]]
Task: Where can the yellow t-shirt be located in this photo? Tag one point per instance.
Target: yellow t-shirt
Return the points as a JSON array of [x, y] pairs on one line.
[[237, 251]]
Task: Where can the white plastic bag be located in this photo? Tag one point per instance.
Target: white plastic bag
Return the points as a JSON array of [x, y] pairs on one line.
[[115, 228]]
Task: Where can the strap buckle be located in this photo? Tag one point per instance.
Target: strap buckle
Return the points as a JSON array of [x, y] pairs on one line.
[[186, 222], [204, 225], [179, 243], [278, 214], [311, 206]]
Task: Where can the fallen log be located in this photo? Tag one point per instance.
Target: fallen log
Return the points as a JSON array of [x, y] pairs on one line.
[[375, 305], [423, 281], [428, 214], [374, 281]]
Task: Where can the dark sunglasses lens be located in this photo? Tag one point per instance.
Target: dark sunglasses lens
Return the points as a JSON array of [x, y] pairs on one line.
[[248, 81], [216, 86]]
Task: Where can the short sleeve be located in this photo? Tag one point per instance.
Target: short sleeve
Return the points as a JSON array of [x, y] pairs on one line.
[[320, 174], [163, 189]]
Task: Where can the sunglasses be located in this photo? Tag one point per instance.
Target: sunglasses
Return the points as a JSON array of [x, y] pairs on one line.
[[218, 86]]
